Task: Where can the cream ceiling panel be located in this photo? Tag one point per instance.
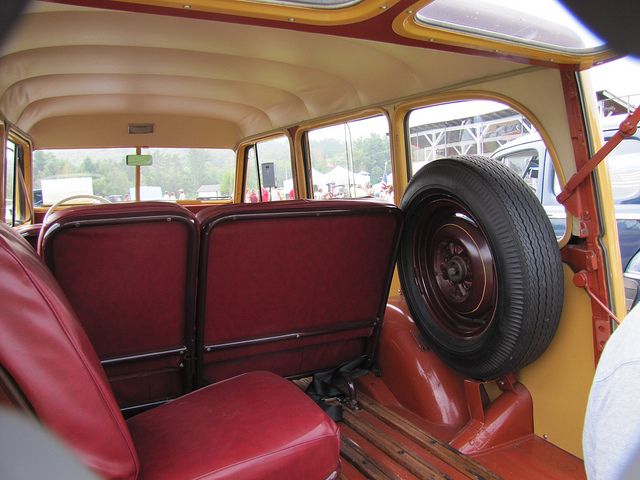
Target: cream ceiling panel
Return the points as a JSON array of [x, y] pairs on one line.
[[334, 56], [243, 115], [266, 99], [169, 131], [71, 62], [316, 89]]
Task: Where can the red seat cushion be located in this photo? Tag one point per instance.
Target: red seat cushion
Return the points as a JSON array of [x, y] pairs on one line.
[[254, 426], [44, 350]]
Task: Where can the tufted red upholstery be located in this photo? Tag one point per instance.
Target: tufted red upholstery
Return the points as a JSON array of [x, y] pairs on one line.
[[257, 426], [265, 428], [46, 352], [129, 271], [320, 269]]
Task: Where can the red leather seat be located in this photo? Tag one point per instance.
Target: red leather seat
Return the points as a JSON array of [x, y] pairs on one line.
[[264, 429], [129, 271], [255, 426], [293, 287]]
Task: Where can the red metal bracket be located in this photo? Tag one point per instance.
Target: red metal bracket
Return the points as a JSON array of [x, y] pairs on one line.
[[627, 129], [507, 383], [474, 400], [584, 255], [581, 280]]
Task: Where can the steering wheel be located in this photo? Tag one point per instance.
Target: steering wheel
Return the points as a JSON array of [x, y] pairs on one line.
[[52, 208]]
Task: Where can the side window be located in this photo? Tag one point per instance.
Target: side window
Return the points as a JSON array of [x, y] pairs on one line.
[[617, 97], [352, 159], [471, 127], [491, 129], [9, 187], [252, 186], [623, 164], [269, 176], [17, 209]]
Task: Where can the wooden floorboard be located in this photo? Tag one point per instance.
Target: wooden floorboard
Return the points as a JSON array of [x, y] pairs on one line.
[[410, 447], [434, 446], [366, 465], [399, 452]]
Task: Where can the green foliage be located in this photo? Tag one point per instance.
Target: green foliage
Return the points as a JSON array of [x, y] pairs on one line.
[[370, 154], [175, 170]]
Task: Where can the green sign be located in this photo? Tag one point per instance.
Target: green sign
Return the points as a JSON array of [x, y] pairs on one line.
[[139, 160]]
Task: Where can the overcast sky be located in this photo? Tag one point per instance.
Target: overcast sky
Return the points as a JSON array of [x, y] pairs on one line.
[[620, 77]]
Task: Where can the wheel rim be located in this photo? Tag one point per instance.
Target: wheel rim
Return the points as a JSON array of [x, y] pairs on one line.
[[454, 268]]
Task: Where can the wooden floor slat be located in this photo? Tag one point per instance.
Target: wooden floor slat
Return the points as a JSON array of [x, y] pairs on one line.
[[358, 458], [400, 453], [436, 447]]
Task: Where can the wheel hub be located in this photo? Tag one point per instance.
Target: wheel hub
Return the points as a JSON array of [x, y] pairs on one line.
[[457, 268]]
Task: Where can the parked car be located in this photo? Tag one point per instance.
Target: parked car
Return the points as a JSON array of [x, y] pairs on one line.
[[529, 157]]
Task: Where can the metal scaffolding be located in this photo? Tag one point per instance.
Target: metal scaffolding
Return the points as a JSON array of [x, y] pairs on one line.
[[475, 135]]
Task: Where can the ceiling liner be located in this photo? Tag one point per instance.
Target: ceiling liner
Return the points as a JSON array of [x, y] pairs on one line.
[[66, 62]]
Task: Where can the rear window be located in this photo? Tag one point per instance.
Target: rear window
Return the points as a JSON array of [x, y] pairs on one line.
[[176, 174], [58, 174], [188, 174]]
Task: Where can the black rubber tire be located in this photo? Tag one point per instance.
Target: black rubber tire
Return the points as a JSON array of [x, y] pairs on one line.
[[522, 278]]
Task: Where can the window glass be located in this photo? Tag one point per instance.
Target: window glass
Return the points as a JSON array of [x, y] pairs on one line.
[[634, 266], [17, 206], [471, 127], [312, 3], [269, 174], [544, 23], [526, 165], [623, 164], [491, 129], [10, 159], [252, 186], [188, 174], [616, 87], [352, 159], [58, 174]]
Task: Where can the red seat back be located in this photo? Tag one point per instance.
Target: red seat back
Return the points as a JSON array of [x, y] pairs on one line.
[[30, 233], [45, 352], [129, 272], [292, 287]]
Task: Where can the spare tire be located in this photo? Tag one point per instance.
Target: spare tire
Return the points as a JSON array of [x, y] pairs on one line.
[[480, 266]]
